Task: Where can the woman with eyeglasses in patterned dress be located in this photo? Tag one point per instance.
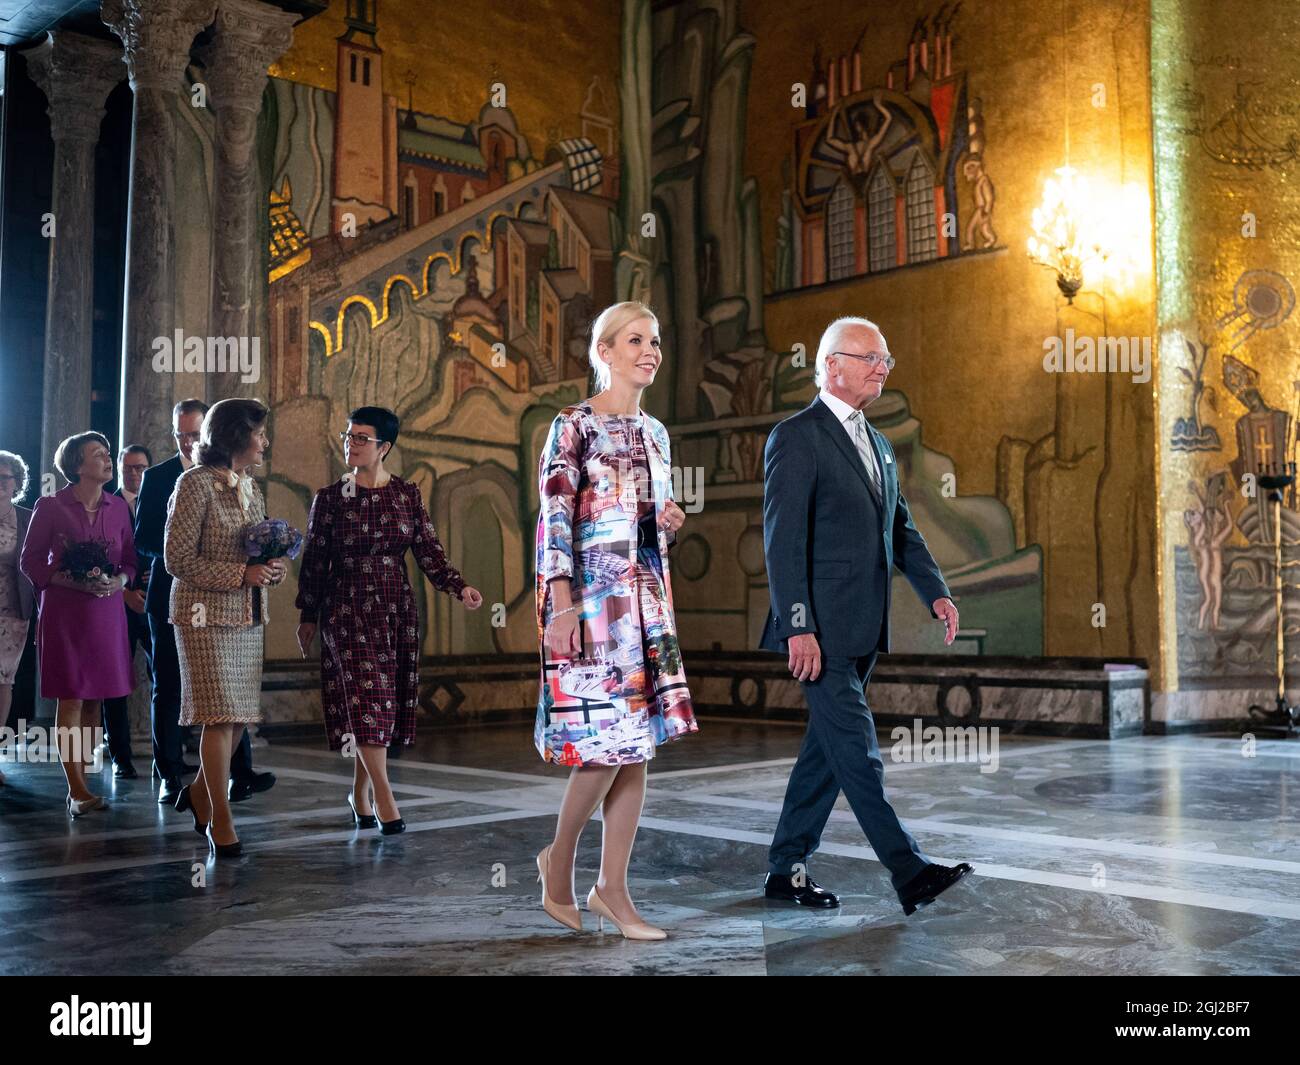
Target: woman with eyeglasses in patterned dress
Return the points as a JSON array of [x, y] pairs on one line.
[[353, 590]]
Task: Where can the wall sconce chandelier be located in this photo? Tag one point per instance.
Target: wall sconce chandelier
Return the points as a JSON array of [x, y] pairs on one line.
[[1066, 238]]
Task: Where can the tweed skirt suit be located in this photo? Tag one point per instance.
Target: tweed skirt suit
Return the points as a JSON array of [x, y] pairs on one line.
[[218, 621]]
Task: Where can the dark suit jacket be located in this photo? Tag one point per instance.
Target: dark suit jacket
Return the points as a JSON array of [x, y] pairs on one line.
[[26, 593], [830, 547], [150, 526], [140, 576]]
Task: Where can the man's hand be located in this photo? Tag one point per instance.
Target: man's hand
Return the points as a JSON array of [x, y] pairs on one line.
[[134, 599], [946, 610], [805, 656]]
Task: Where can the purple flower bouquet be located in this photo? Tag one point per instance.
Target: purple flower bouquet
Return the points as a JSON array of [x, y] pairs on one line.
[[84, 560], [270, 539]]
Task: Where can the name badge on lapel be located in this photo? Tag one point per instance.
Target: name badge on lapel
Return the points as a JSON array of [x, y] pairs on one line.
[[888, 457]]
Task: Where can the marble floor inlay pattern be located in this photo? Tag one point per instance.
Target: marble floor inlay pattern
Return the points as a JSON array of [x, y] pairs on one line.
[[1151, 855]]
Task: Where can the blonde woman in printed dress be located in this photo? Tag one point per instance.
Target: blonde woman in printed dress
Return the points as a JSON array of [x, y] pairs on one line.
[[219, 603], [353, 588], [612, 684]]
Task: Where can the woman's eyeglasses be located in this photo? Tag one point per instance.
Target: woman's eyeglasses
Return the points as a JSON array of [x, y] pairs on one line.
[[359, 438], [873, 360]]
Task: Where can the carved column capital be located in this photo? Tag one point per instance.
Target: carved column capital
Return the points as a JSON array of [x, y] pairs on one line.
[[76, 73], [157, 37], [247, 38]]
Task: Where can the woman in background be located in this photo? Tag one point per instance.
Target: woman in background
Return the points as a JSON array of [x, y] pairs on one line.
[[17, 596], [218, 603], [612, 683], [353, 588], [81, 640]]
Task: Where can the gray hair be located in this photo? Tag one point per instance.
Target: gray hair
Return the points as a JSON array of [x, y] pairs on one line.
[[830, 341], [20, 473], [606, 328]]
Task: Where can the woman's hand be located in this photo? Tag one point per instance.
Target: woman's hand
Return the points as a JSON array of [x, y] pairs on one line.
[[563, 638], [471, 597], [672, 518], [279, 569], [102, 587], [95, 586], [257, 574], [306, 637]]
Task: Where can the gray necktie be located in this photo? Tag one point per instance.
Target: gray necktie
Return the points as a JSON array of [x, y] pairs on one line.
[[865, 450]]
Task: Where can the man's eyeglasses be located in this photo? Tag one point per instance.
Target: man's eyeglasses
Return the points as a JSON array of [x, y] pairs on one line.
[[873, 360], [186, 437], [359, 438]]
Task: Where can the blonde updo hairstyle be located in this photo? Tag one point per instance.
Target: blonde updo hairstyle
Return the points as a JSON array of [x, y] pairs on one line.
[[606, 328]]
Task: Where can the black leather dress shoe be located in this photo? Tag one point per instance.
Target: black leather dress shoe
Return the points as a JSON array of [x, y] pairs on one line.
[[171, 788], [245, 788], [928, 884], [124, 771], [783, 889], [186, 770]]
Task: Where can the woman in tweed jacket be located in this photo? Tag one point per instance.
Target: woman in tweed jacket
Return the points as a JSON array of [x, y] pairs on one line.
[[218, 603]]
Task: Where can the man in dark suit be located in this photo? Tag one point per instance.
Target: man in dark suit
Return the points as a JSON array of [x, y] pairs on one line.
[[834, 525], [150, 527], [132, 461]]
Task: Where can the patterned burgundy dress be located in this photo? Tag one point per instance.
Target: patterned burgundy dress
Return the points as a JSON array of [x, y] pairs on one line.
[[353, 584]]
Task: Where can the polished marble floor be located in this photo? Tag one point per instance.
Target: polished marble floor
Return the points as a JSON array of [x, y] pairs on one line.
[[1157, 855]]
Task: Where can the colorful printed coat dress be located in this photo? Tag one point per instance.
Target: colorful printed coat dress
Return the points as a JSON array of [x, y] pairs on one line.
[[603, 483], [353, 584]]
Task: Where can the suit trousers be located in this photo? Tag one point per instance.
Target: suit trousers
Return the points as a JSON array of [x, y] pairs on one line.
[[116, 718], [165, 712], [840, 752]]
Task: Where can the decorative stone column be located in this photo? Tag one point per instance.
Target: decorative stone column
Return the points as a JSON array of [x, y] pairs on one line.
[[76, 73], [247, 38], [157, 38]]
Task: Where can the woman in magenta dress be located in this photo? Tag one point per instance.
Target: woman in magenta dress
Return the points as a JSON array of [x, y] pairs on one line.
[[353, 586], [81, 640]]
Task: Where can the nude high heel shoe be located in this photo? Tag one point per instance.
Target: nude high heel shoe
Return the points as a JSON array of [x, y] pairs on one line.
[[634, 930], [78, 807], [570, 916]]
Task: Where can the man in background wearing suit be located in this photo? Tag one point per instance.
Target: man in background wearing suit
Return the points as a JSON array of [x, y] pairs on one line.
[[834, 525], [150, 527], [132, 461]]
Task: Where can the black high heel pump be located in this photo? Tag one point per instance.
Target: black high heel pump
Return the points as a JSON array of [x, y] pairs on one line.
[[224, 850], [183, 803], [361, 820]]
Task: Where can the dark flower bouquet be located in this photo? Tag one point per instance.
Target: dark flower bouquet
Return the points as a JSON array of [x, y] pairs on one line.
[[270, 539], [83, 560]]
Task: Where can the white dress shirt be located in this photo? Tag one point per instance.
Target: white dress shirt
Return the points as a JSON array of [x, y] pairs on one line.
[[844, 412]]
